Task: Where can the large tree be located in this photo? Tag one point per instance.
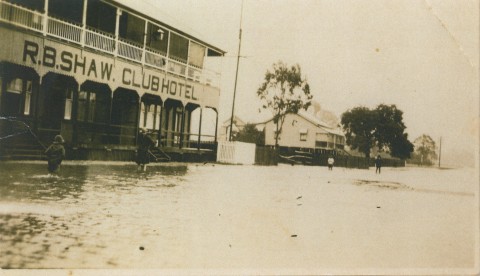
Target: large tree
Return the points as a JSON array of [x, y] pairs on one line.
[[359, 126], [382, 127], [250, 134], [425, 150], [390, 131], [284, 91]]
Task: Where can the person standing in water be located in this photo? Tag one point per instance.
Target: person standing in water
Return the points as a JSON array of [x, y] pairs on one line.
[[378, 164], [143, 152], [55, 154]]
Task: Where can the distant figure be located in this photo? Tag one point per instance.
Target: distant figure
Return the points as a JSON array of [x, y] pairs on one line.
[[145, 142], [330, 163], [55, 154], [378, 164]]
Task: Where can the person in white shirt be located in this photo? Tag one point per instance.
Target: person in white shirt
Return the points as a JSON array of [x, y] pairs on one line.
[[330, 163]]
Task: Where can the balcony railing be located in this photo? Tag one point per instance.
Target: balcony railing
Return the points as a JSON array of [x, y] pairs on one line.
[[104, 42], [20, 16], [63, 30], [99, 41], [129, 50], [155, 58], [177, 67]]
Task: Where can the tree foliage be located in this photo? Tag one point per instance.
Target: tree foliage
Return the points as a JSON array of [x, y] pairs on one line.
[[382, 127], [425, 151], [359, 126], [284, 91], [250, 134]]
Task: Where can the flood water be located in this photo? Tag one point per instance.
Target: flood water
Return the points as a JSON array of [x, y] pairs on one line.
[[211, 216]]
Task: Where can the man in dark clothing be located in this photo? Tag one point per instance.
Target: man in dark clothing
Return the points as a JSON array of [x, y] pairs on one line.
[[378, 164], [55, 154], [143, 152]]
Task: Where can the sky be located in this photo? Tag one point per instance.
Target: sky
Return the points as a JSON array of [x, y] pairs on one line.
[[422, 56]]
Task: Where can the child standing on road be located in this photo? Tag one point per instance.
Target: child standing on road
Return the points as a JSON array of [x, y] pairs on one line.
[[330, 163]]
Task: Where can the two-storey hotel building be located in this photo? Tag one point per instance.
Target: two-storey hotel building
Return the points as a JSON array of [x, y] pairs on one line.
[[96, 71]]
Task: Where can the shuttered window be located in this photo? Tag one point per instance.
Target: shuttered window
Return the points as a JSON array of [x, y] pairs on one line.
[[196, 54], [178, 48]]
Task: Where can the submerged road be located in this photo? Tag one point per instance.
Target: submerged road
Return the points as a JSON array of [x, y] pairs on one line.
[[290, 219]]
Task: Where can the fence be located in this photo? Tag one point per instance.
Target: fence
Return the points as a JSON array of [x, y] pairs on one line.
[[342, 161], [266, 156], [356, 161], [298, 156], [236, 153]]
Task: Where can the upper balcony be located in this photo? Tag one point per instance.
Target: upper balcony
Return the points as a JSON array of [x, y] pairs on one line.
[[101, 26]]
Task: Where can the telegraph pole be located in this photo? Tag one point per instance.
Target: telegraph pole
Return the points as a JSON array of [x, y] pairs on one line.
[[440, 151], [236, 74]]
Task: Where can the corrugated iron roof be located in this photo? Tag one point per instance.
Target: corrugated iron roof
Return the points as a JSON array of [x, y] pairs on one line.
[[315, 121]]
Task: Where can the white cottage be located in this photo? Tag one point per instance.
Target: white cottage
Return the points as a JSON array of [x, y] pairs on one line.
[[305, 131]]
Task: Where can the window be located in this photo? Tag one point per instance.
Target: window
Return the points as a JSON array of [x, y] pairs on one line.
[[303, 134], [15, 86], [102, 107], [28, 98], [158, 115], [101, 16], [71, 10], [178, 47], [29, 4], [132, 28], [196, 54], [68, 105], [157, 38], [141, 122], [320, 144], [91, 107], [150, 116], [87, 105], [178, 119], [178, 124], [19, 92], [82, 105]]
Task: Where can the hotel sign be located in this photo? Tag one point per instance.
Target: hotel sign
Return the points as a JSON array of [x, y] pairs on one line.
[[48, 56]]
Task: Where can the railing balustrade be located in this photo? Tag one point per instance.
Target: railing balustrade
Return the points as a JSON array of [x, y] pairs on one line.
[[129, 51], [64, 30], [20, 16], [155, 59], [195, 74], [105, 42], [99, 41], [177, 67]]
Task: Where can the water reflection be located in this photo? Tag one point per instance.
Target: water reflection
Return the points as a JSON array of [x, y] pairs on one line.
[[48, 220], [16, 231], [31, 182]]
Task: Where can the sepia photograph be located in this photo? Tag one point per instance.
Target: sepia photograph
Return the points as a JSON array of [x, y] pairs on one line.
[[242, 137]]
